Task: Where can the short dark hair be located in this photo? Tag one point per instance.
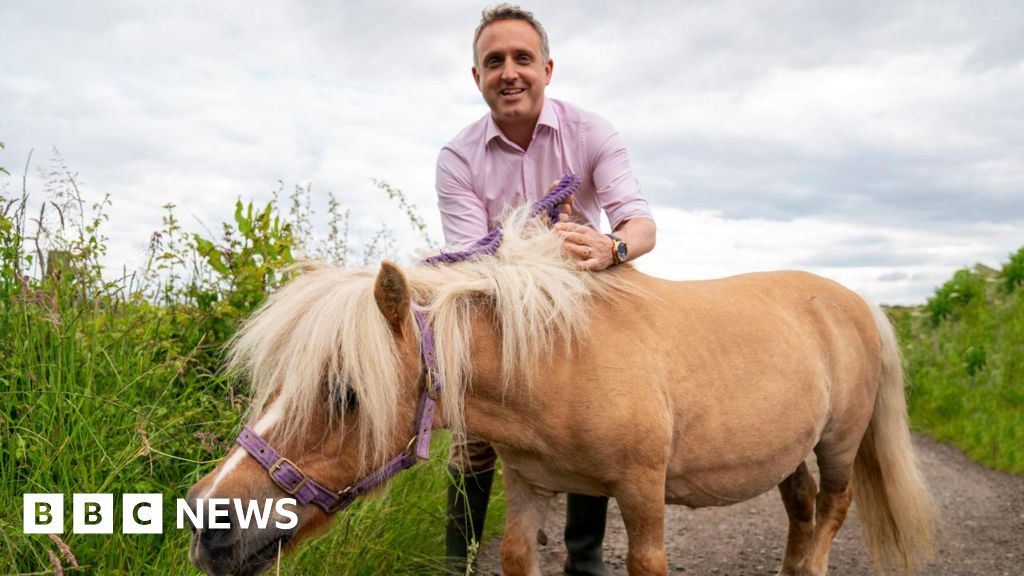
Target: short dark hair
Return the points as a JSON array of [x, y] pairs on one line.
[[506, 11]]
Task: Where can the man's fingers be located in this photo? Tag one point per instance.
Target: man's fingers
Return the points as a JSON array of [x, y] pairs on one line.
[[583, 243], [574, 238], [579, 250], [587, 258], [565, 209], [572, 228]]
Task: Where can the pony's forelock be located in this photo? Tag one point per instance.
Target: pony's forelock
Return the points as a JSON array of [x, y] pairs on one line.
[[312, 343]]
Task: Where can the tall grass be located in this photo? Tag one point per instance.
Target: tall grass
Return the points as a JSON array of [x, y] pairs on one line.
[[964, 356], [113, 386]]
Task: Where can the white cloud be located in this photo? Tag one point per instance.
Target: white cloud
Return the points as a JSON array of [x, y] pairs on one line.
[[880, 143], [887, 264]]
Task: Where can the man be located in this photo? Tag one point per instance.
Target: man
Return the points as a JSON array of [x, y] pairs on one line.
[[509, 158]]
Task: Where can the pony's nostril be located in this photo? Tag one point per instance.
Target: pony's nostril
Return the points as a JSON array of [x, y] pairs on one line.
[[215, 539]]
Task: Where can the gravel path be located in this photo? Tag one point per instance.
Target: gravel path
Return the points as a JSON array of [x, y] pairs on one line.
[[982, 530]]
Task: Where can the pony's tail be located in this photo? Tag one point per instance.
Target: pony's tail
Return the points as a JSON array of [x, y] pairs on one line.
[[896, 510]]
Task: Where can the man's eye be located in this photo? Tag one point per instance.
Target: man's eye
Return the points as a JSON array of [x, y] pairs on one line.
[[523, 59]]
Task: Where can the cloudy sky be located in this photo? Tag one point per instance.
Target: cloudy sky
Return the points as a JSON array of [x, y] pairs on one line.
[[878, 143]]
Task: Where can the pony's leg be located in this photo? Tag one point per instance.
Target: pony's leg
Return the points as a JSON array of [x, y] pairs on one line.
[[642, 503], [835, 466], [798, 491], [526, 509], [832, 508]]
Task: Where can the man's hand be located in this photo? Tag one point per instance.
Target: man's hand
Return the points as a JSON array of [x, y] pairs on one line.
[[590, 247], [593, 249]]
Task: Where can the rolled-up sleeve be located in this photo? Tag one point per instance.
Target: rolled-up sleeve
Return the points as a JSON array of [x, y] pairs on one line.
[[617, 189], [463, 214]]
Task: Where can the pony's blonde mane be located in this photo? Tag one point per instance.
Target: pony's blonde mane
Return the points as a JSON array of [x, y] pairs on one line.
[[322, 335]]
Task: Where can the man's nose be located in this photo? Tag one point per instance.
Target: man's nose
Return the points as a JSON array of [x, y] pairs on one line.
[[509, 70]]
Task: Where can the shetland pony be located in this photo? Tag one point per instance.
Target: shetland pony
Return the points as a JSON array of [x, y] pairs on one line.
[[615, 383]]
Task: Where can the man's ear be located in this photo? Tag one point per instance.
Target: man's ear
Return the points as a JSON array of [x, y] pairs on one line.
[[476, 78], [548, 69], [391, 291]]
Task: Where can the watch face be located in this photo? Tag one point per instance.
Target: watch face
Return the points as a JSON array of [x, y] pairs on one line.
[[621, 252]]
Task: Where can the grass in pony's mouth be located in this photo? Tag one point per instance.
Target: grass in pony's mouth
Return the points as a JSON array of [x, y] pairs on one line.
[[264, 557]]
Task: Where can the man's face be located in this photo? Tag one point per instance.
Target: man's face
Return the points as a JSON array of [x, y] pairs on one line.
[[511, 72]]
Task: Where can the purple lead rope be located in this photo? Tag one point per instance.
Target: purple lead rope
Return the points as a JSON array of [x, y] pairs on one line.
[[551, 202], [489, 244]]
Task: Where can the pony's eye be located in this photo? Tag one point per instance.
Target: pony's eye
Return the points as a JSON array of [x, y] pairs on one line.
[[349, 402]]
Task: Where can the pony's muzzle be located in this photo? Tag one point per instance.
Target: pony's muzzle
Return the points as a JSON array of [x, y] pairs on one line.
[[213, 550], [231, 550], [216, 542]]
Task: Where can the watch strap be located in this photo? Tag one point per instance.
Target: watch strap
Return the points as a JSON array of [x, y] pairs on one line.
[[615, 248]]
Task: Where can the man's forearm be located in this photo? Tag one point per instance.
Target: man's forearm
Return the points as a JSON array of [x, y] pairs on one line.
[[639, 234]]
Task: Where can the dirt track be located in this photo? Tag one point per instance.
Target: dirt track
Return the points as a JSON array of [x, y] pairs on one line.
[[982, 531]]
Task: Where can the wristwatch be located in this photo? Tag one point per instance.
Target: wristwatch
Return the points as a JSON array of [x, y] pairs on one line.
[[619, 249]]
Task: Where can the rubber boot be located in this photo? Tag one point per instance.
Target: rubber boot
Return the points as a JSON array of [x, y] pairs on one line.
[[584, 533], [467, 509]]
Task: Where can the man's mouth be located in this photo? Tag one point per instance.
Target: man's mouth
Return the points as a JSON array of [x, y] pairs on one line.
[[512, 91]]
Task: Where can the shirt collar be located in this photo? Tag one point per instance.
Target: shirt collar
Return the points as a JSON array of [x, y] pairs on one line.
[[547, 118]]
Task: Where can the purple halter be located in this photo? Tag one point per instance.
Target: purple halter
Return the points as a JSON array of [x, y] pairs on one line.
[[296, 483]]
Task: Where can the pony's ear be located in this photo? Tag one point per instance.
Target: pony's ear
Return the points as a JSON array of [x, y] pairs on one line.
[[308, 266], [392, 294]]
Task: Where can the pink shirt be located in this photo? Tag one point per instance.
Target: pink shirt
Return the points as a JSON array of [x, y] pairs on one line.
[[481, 173]]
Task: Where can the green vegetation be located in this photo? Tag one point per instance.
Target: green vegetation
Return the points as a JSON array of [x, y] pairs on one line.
[[113, 386], [964, 357]]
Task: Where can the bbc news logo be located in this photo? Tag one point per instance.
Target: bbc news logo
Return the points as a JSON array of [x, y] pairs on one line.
[[143, 513]]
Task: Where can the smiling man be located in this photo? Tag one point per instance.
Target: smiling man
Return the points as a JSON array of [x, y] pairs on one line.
[[509, 158]]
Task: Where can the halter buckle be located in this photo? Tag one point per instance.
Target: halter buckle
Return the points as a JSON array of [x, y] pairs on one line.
[[341, 499], [277, 466], [411, 442], [428, 385]]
